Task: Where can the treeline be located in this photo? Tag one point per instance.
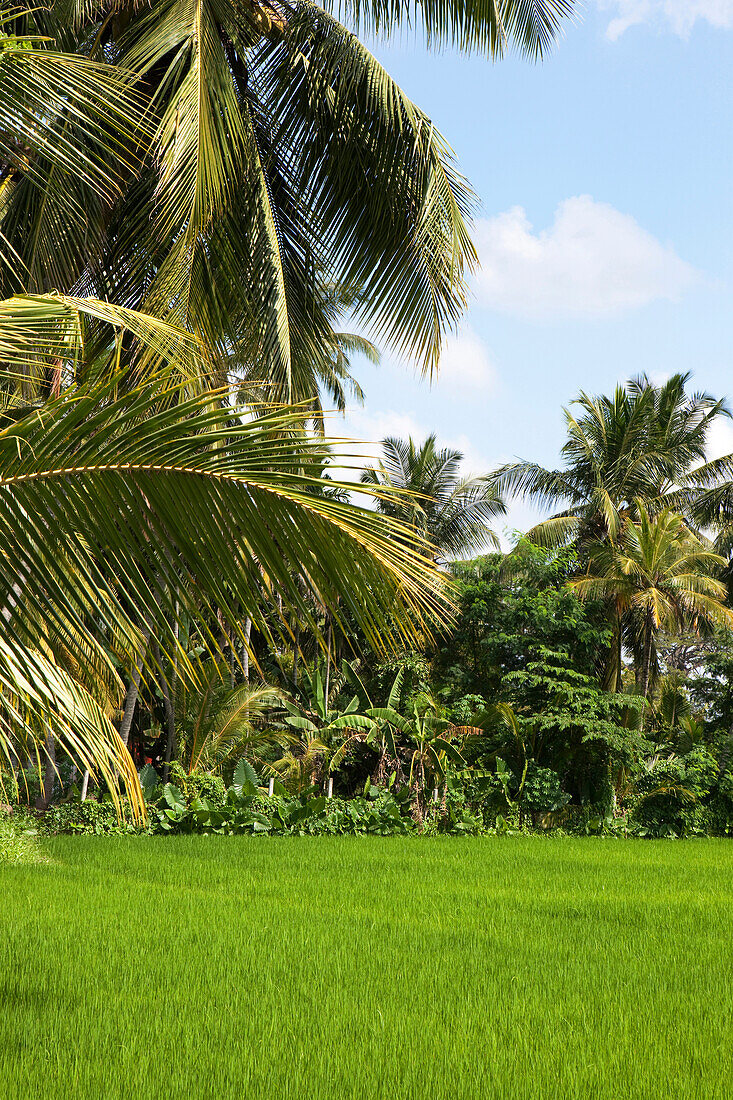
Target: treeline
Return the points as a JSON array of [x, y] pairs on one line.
[[582, 681]]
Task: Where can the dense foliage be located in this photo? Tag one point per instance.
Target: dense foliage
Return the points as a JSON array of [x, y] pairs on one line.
[[198, 621], [500, 725]]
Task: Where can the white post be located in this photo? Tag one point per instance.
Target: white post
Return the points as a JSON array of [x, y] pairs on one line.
[[435, 794], [330, 787], [271, 790], [84, 786]]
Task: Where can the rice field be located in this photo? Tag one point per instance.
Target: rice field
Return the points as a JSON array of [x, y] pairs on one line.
[[211, 967]]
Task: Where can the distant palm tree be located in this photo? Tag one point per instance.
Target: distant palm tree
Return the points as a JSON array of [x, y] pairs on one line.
[[642, 443], [657, 576], [450, 511]]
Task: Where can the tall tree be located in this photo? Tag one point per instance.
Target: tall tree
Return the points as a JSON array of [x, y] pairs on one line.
[[450, 511], [658, 575], [276, 159], [642, 443]]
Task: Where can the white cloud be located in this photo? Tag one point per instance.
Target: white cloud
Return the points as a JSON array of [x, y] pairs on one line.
[[720, 438], [679, 15], [593, 261], [465, 364], [368, 428]]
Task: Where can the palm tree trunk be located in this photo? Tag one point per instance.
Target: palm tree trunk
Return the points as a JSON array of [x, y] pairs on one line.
[[133, 688], [618, 683], [131, 695], [329, 643], [49, 773], [245, 651], [296, 653], [170, 716], [646, 663], [612, 672]]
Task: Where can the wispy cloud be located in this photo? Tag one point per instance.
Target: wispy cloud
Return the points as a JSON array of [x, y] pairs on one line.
[[466, 364], [679, 16], [593, 261]]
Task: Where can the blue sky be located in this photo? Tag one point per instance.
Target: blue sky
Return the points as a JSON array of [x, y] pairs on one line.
[[605, 226]]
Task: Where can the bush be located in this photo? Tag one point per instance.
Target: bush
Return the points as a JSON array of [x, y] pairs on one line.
[[17, 844], [542, 792], [98, 818], [672, 795], [199, 784]]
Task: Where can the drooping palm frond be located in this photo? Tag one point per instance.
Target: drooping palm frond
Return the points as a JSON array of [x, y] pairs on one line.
[[72, 133], [38, 697], [284, 161], [122, 476], [168, 503], [488, 26], [372, 168], [297, 164], [80, 338]]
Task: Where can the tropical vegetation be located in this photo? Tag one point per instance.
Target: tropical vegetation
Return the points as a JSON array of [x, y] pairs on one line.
[[220, 630], [191, 198], [202, 209], [580, 688]]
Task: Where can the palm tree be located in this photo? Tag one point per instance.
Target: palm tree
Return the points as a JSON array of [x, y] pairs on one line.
[[640, 444], [658, 576], [220, 724], [274, 159], [127, 507], [422, 487], [707, 497]]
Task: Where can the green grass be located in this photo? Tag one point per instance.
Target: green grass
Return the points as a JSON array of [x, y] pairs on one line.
[[211, 967]]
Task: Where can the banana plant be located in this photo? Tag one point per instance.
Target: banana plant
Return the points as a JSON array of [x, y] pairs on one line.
[[377, 734], [316, 728], [430, 738]]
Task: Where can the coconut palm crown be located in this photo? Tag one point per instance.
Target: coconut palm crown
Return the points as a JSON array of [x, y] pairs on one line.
[[645, 442], [225, 163], [449, 511]]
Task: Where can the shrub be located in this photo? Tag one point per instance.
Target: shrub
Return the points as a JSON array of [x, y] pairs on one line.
[[199, 784], [672, 794], [99, 818], [542, 792], [17, 844]]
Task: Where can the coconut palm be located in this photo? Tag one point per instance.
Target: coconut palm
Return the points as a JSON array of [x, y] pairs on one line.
[[642, 443], [126, 507], [450, 511], [658, 576], [220, 724], [275, 160], [707, 497]]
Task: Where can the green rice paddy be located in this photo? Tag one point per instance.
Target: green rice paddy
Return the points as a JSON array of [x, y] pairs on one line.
[[211, 967]]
